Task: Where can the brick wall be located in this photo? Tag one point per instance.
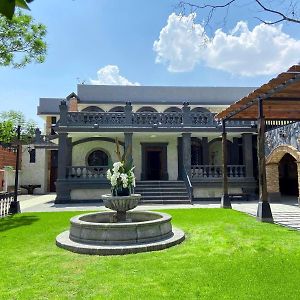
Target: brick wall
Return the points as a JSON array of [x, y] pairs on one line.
[[7, 157]]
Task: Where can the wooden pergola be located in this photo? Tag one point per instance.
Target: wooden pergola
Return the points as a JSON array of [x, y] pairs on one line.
[[277, 100]]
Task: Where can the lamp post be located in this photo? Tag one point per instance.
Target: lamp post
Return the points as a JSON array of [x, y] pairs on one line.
[[15, 204]]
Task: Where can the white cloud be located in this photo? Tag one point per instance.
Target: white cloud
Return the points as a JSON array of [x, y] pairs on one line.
[[263, 51], [110, 75], [180, 43]]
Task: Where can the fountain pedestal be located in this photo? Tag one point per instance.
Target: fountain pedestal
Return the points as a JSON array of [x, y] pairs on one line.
[[121, 204]]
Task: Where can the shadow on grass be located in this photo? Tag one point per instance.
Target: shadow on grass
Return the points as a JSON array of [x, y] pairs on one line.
[[11, 222]]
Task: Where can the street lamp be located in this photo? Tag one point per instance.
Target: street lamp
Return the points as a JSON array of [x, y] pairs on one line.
[[15, 204]]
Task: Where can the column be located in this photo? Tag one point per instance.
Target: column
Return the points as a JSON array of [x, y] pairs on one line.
[[186, 152], [272, 175], [128, 113], [225, 200], [205, 152], [62, 188], [247, 153], [128, 145], [264, 213]]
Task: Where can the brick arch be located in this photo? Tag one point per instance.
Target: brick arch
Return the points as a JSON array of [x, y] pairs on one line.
[[272, 172], [276, 155]]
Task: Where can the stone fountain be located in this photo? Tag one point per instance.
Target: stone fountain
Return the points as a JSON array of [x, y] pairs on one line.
[[120, 231]]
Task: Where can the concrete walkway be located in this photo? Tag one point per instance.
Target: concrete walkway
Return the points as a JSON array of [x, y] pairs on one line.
[[285, 213]]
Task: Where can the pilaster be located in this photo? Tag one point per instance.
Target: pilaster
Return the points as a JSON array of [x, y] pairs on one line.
[[186, 152]]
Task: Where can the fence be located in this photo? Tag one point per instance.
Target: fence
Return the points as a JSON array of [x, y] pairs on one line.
[[5, 201]]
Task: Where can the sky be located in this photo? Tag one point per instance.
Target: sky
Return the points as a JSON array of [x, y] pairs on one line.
[[140, 42]]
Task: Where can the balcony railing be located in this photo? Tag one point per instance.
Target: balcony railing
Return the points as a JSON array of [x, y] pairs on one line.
[[86, 173], [184, 118], [209, 171]]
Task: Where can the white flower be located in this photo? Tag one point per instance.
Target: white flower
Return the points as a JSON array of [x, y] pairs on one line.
[[113, 180], [124, 178], [117, 166], [108, 174]]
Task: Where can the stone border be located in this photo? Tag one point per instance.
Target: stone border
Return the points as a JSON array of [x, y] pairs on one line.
[[63, 241]]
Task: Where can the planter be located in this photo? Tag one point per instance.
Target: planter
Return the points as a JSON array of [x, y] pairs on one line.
[[120, 191]]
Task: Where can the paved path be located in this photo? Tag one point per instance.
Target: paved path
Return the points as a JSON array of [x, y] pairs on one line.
[[286, 213]]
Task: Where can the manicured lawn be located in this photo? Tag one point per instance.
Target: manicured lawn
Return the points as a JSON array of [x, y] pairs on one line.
[[227, 255]]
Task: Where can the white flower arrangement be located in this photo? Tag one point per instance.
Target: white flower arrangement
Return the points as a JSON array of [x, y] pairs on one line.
[[121, 175]]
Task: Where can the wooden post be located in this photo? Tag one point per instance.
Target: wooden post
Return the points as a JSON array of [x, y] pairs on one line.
[[225, 200], [264, 213]]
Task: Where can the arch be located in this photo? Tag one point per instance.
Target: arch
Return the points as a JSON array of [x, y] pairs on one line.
[[97, 157], [200, 109], [91, 139], [146, 109], [288, 175], [215, 151], [117, 109], [172, 109], [93, 109], [276, 155]]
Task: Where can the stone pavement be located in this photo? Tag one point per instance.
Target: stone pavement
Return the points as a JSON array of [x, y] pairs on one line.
[[285, 213]]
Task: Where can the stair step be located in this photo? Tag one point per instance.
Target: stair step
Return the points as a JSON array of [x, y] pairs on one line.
[[166, 201], [150, 193]]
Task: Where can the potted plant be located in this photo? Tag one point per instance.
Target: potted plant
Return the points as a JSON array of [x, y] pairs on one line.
[[121, 175]]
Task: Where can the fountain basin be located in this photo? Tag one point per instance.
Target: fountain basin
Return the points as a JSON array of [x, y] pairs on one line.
[[94, 233]]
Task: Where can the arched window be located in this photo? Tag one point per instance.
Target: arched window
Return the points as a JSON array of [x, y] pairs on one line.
[[173, 109], [147, 109], [93, 109], [97, 158], [117, 109], [200, 109]]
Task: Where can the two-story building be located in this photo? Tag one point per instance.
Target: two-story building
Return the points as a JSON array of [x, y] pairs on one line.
[[175, 142]]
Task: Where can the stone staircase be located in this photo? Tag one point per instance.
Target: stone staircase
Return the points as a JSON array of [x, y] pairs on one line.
[[162, 192]]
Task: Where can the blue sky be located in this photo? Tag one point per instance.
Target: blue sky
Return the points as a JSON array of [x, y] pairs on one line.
[[85, 36]]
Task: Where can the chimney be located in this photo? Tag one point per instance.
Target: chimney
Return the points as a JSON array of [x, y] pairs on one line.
[[73, 104]]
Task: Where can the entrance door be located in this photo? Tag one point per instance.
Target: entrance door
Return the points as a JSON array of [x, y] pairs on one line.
[[288, 176], [154, 161], [154, 166]]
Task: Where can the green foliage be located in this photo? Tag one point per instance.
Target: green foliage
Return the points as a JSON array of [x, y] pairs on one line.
[[7, 7], [9, 121], [7, 131], [226, 255], [21, 41]]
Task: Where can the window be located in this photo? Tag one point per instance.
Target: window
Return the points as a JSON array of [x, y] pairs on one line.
[[92, 109], [32, 154], [97, 158]]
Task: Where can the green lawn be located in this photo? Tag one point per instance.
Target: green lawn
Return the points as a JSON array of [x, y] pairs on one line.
[[226, 255]]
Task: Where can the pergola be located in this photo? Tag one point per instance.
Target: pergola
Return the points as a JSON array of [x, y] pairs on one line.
[[276, 101]]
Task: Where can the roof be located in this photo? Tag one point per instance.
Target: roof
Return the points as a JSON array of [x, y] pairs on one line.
[[160, 94], [49, 106], [281, 99], [150, 95]]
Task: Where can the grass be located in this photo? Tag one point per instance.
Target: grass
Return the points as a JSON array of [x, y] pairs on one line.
[[226, 255]]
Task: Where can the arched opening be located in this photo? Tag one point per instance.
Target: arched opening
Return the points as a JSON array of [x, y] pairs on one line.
[[97, 158], [117, 109], [146, 109], [215, 152], [196, 151], [288, 176], [173, 109], [93, 109], [200, 109]]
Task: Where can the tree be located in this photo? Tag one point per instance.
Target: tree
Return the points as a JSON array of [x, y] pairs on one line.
[[7, 7], [21, 41], [268, 12], [8, 123]]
